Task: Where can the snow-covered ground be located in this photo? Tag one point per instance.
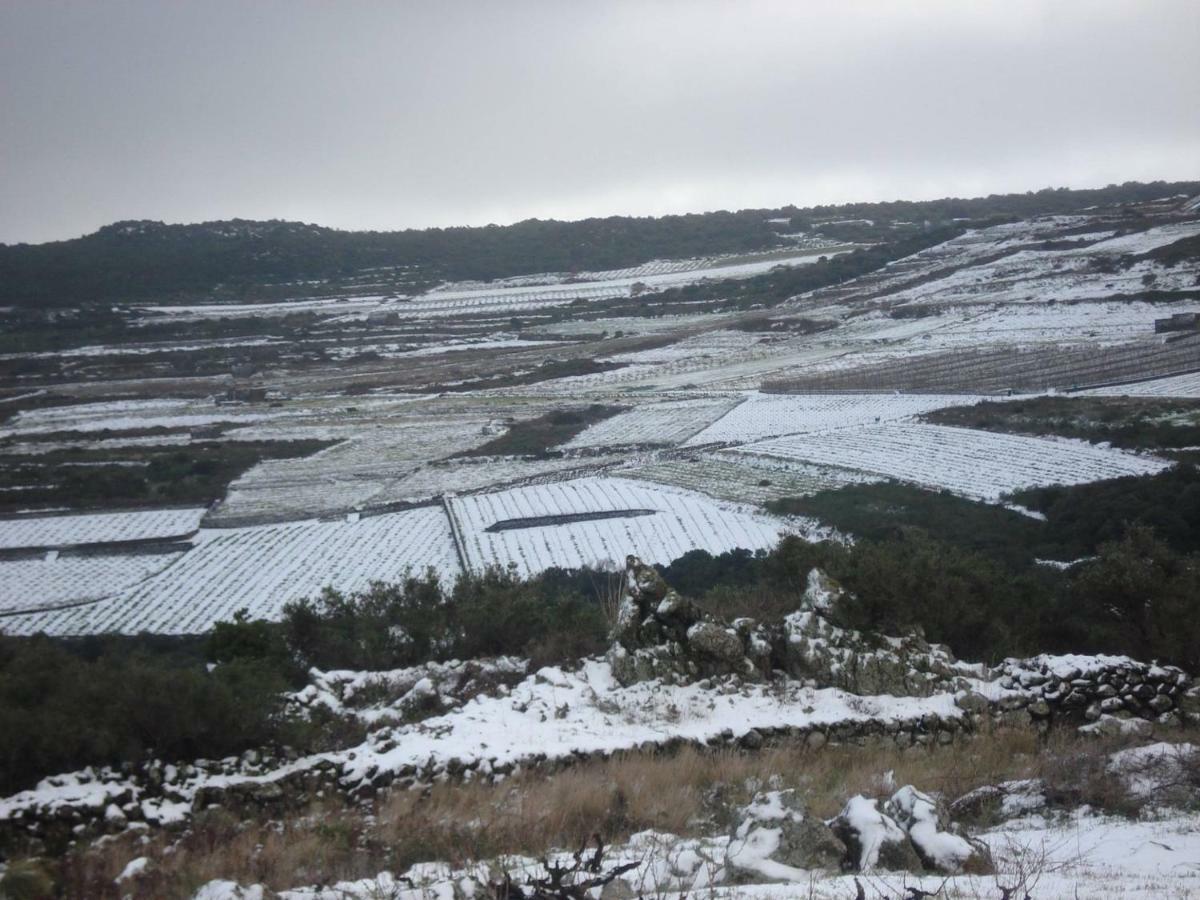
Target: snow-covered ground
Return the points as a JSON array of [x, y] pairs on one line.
[[1085, 855], [262, 568]]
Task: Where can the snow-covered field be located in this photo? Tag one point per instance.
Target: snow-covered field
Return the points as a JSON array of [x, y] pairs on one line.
[[1173, 386], [768, 415], [742, 477], [366, 463], [54, 580], [978, 464], [98, 528], [671, 422], [261, 569], [698, 441], [679, 521], [1081, 856]]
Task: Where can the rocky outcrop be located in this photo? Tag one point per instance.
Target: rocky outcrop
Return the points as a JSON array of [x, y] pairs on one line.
[[862, 663], [659, 634]]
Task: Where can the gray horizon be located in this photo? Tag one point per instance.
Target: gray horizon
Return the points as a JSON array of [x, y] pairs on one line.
[[374, 115]]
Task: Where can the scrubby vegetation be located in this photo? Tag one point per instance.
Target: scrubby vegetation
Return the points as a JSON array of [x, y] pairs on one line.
[[1078, 518], [1135, 423], [240, 259], [554, 617], [537, 437], [68, 703], [111, 700]]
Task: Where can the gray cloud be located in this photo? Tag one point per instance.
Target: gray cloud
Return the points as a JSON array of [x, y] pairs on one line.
[[372, 115]]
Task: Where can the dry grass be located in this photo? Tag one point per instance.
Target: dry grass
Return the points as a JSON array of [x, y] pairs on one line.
[[689, 793]]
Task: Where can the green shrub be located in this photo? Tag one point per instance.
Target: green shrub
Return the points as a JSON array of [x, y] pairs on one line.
[[60, 711], [552, 618]]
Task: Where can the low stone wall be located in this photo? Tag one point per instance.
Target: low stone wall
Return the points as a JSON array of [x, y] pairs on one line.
[[1091, 689]]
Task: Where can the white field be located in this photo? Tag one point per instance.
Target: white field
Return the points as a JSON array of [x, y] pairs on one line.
[[671, 422], [43, 583], [459, 299], [470, 474], [682, 521], [1039, 275], [1173, 386], [697, 347], [979, 464], [1023, 325], [353, 473], [768, 415], [130, 414], [261, 569], [96, 528], [740, 477]]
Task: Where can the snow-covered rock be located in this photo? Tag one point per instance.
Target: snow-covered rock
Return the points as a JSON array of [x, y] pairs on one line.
[[927, 824], [873, 839], [775, 839]]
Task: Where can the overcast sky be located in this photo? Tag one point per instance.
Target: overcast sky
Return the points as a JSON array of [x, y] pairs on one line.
[[384, 115]]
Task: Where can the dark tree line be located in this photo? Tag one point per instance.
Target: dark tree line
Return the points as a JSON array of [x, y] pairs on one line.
[[139, 260]]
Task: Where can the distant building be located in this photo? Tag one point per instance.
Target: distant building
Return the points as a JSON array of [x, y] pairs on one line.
[[1178, 322]]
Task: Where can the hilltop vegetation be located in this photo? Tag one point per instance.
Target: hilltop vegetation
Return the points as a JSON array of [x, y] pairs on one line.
[[238, 259]]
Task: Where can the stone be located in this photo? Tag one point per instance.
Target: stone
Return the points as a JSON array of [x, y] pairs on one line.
[[1160, 703], [617, 890], [873, 839], [775, 829], [752, 739], [713, 640], [1039, 709], [972, 702], [927, 823]]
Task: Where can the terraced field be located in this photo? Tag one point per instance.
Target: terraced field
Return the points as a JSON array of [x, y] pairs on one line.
[[979, 464], [726, 406]]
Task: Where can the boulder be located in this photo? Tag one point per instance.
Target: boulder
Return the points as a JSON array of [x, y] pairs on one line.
[[992, 804], [873, 839], [927, 823], [775, 839]]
